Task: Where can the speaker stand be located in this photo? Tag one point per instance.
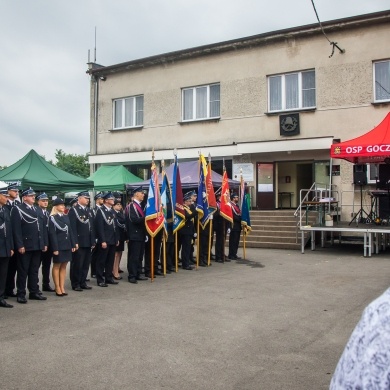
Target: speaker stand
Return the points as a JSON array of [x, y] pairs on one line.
[[359, 217]]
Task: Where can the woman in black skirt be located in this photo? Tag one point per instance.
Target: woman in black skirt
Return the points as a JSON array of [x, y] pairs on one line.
[[62, 243], [120, 224]]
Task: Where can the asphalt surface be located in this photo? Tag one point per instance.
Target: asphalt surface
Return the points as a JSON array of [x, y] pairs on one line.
[[277, 321]]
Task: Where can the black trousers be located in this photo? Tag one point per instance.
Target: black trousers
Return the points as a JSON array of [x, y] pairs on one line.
[[45, 267], [11, 273], [28, 268], [204, 244], [220, 238], [185, 249], [134, 258], [93, 260], [234, 241], [79, 266], [105, 262], [3, 275]]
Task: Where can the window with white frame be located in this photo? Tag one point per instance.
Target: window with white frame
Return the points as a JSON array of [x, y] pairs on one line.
[[292, 91], [202, 102], [128, 112], [382, 81]]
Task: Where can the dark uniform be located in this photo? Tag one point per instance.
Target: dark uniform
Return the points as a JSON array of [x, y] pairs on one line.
[[235, 232], [61, 237], [6, 245], [29, 233], [12, 265], [220, 233], [136, 232], [157, 250], [186, 235], [82, 223], [94, 250], [106, 233], [47, 255]]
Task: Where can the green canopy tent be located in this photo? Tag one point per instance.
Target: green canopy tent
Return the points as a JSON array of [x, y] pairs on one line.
[[34, 171], [112, 177]]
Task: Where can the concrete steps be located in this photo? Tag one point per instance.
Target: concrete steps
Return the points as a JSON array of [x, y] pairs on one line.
[[274, 229]]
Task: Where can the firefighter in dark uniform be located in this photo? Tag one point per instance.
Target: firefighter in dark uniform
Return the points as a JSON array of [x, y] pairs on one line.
[[136, 231], [13, 200], [187, 233], [30, 239], [43, 200], [220, 234], [6, 244], [235, 231], [82, 223], [107, 239], [98, 203]]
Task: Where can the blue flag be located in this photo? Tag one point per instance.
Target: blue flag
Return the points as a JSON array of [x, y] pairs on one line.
[[202, 203], [177, 199], [166, 201], [154, 216]]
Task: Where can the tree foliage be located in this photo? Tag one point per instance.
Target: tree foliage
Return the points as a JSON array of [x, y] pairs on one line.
[[76, 164]]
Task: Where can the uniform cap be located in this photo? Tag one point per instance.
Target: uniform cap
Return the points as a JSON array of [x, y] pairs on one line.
[[58, 201], [42, 196], [84, 194], [28, 191]]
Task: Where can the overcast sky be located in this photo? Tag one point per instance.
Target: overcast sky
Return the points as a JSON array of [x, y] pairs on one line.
[[44, 90]]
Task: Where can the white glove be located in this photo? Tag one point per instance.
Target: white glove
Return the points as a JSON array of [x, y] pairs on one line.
[[228, 231], [211, 217], [195, 235], [146, 238]]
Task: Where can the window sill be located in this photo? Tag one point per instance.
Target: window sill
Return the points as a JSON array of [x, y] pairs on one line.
[[273, 113], [380, 103], [200, 121], [127, 128]]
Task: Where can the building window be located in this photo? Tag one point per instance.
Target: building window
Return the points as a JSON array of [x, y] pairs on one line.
[[382, 81], [129, 112], [201, 102], [292, 91]]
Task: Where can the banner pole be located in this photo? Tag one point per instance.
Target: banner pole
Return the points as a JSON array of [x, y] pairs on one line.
[[244, 242], [164, 254], [176, 254], [152, 259], [209, 250], [197, 245]]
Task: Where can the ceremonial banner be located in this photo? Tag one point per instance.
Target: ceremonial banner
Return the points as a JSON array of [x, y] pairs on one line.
[[210, 191], [177, 199], [226, 208], [202, 204], [154, 216], [166, 201], [245, 217]]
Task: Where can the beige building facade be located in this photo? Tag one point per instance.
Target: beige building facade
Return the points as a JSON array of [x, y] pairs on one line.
[[270, 104]]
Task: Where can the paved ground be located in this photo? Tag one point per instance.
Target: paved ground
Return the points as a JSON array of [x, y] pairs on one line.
[[279, 321]]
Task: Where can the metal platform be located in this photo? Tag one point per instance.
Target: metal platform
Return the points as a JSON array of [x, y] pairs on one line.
[[374, 236]]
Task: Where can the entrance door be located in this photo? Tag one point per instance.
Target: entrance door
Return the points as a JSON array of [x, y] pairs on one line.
[[265, 199]]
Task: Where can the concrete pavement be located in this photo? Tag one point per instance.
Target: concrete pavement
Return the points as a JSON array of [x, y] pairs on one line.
[[278, 321]]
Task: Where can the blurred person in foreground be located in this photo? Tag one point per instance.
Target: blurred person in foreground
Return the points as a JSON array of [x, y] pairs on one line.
[[365, 362]]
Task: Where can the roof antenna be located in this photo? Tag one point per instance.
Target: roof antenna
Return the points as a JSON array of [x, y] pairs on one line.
[[334, 44], [95, 47]]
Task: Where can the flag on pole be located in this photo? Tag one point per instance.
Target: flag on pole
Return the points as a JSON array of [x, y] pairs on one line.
[[210, 191], [177, 199], [245, 217], [166, 201], [202, 204], [154, 216], [226, 208]]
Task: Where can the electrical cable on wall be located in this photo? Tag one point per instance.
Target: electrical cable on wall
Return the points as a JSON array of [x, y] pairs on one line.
[[334, 44]]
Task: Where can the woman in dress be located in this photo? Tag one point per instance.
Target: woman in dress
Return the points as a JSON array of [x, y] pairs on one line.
[[62, 243], [120, 223]]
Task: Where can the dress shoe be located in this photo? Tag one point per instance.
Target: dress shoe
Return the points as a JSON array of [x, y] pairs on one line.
[[102, 285], [228, 259], [3, 303], [21, 299], [48, 288], [158, 273], [142, 277], [189, 268], [64, 294], [237, 258], [202, 264], [36, 297], [219, 261], [111, 281], [212, 257], [11, 294], [87, 280], [59, 294], [77, 289], [120, 271], [85, 287], [117, 277], [193, 261], [133, 280], [169, 271]]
